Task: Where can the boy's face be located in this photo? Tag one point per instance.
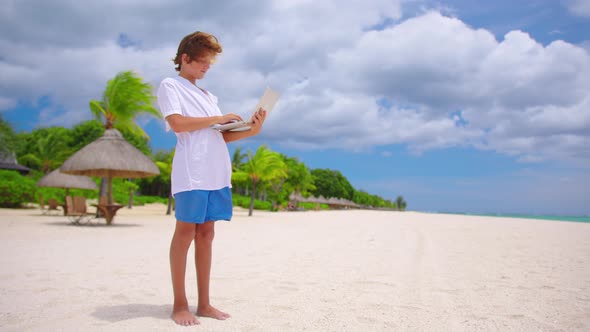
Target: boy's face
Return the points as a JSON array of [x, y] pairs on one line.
[[198, 67]]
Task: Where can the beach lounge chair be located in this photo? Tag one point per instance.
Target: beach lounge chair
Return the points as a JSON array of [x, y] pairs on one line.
[[51, 208], [76, 210]]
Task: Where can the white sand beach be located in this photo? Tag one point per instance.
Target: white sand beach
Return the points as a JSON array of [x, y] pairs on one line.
[[300, 271]]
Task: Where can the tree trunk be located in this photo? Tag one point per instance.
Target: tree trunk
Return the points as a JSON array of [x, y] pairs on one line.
[[252, 198], [130, 205], [169, 209], [102, 190], [110, 191]]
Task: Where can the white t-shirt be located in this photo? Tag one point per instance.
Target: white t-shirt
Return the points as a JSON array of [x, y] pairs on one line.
[[201, 160]]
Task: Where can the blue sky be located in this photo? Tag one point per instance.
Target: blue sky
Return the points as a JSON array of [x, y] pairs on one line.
[[464, 106]]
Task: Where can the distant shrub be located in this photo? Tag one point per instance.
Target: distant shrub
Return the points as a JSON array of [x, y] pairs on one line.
[[30, 161], [142, 200], [238, 200], [262, 205], [244, 201], [48, 193], [15, 189], [313, 206]]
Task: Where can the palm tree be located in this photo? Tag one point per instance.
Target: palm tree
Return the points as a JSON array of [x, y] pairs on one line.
[[125, 97], [165, 172], [299, 181], [47, 153], [236, 163], [130, 188], [400, 203], [238, 159], [263, 167]]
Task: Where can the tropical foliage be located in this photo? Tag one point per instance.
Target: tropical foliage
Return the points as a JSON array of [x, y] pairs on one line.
[[15, 189], [125, 97], [299, 178], [8, 139], [400, 203], [264, 168], [164, 163], [46, 148], [331, 183], [262, 179]]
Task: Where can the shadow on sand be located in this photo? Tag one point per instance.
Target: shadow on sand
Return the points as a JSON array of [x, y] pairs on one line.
[[118, 313], [100, 224]]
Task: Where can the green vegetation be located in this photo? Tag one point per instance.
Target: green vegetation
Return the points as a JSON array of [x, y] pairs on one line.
[[263, 170], [272, 177], [400, 203], [46, 148], [266, 178], [124, 98], [15, 189], [331, 183], [8, 138], [245, 201]]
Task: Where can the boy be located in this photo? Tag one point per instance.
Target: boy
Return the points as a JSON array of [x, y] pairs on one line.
[[201, 169]]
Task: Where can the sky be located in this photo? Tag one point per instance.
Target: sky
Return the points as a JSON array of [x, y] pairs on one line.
[[458, 106]]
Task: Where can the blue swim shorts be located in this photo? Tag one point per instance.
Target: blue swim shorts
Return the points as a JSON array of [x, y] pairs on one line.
[[199, 206]]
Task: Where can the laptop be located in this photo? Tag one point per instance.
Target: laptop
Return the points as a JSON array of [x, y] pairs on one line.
[[267, 102]]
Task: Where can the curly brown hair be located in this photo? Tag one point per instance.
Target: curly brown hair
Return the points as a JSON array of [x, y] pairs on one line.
[[195, 45]]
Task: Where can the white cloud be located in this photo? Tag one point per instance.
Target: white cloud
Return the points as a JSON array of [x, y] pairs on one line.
[[517, 96], [71, 77], [579, 7], [343, 84]]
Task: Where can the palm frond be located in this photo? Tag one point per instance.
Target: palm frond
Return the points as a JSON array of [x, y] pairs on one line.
[[265, 165], [98, 110], [126, 96]]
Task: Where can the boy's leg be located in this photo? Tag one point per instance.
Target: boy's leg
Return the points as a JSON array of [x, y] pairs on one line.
[[203, 253], [181, 241]]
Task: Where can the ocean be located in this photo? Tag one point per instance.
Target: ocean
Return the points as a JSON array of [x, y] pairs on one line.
[[543, 217], [530, 216]]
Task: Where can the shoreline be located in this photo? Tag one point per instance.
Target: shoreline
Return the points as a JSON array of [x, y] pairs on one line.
[[562, 218], [159, 209]]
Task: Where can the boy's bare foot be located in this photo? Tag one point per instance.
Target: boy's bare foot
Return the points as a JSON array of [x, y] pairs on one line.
[[184, 317], [209, 311]]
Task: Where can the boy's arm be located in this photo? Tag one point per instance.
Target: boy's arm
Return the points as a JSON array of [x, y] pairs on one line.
[[180, 123], [257, 121]]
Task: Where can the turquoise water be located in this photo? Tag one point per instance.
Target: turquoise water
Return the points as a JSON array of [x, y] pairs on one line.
[[543, 217], [533, 216]]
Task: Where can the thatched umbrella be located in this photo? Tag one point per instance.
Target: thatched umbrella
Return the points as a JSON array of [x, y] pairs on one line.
[[110, 156], [296, 197], [8, 161], [321, 199], [57, 179]]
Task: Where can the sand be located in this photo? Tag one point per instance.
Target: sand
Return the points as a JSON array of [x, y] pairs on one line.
[[300, 271]]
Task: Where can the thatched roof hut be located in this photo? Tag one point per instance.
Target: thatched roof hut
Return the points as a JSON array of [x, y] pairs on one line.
[[8, 161], [57, 179], [110, 156]]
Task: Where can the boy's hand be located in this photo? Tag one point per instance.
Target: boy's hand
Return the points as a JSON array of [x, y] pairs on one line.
[[257, 120], [230, 117]]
